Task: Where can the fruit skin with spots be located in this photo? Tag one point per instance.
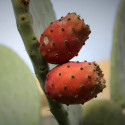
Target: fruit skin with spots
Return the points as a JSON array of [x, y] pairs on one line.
[[74, 82], [64, 38]]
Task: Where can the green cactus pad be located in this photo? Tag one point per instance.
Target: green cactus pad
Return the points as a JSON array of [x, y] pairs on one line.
[[118, 57], [102, 112], [32, 17], [20, 101]]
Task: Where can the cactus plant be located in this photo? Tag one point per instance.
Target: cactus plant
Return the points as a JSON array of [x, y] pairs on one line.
[[102, 112], [32, 16], [118, 58], [20, 101]]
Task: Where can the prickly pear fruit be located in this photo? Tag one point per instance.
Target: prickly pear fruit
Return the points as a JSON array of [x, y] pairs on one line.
[[74, 82], [63, 39]]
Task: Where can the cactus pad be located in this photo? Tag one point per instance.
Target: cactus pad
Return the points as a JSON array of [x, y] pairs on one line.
[[20, 101], [102, 112]]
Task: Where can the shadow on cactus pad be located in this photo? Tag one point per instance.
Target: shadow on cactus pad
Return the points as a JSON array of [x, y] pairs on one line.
[[102, 112], [20, 101]]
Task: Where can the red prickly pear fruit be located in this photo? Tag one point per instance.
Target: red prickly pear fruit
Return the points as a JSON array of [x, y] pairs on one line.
[[63, 39], [74, 82]]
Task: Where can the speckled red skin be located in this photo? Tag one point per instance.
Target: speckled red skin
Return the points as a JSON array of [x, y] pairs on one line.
[[69, 28], [87, 82]]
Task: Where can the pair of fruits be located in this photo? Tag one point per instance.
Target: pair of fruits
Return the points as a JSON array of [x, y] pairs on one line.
[[71, 82]]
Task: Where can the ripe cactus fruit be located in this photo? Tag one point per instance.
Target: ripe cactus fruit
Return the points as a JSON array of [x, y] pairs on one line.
[[74, 82], [63, 39]]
